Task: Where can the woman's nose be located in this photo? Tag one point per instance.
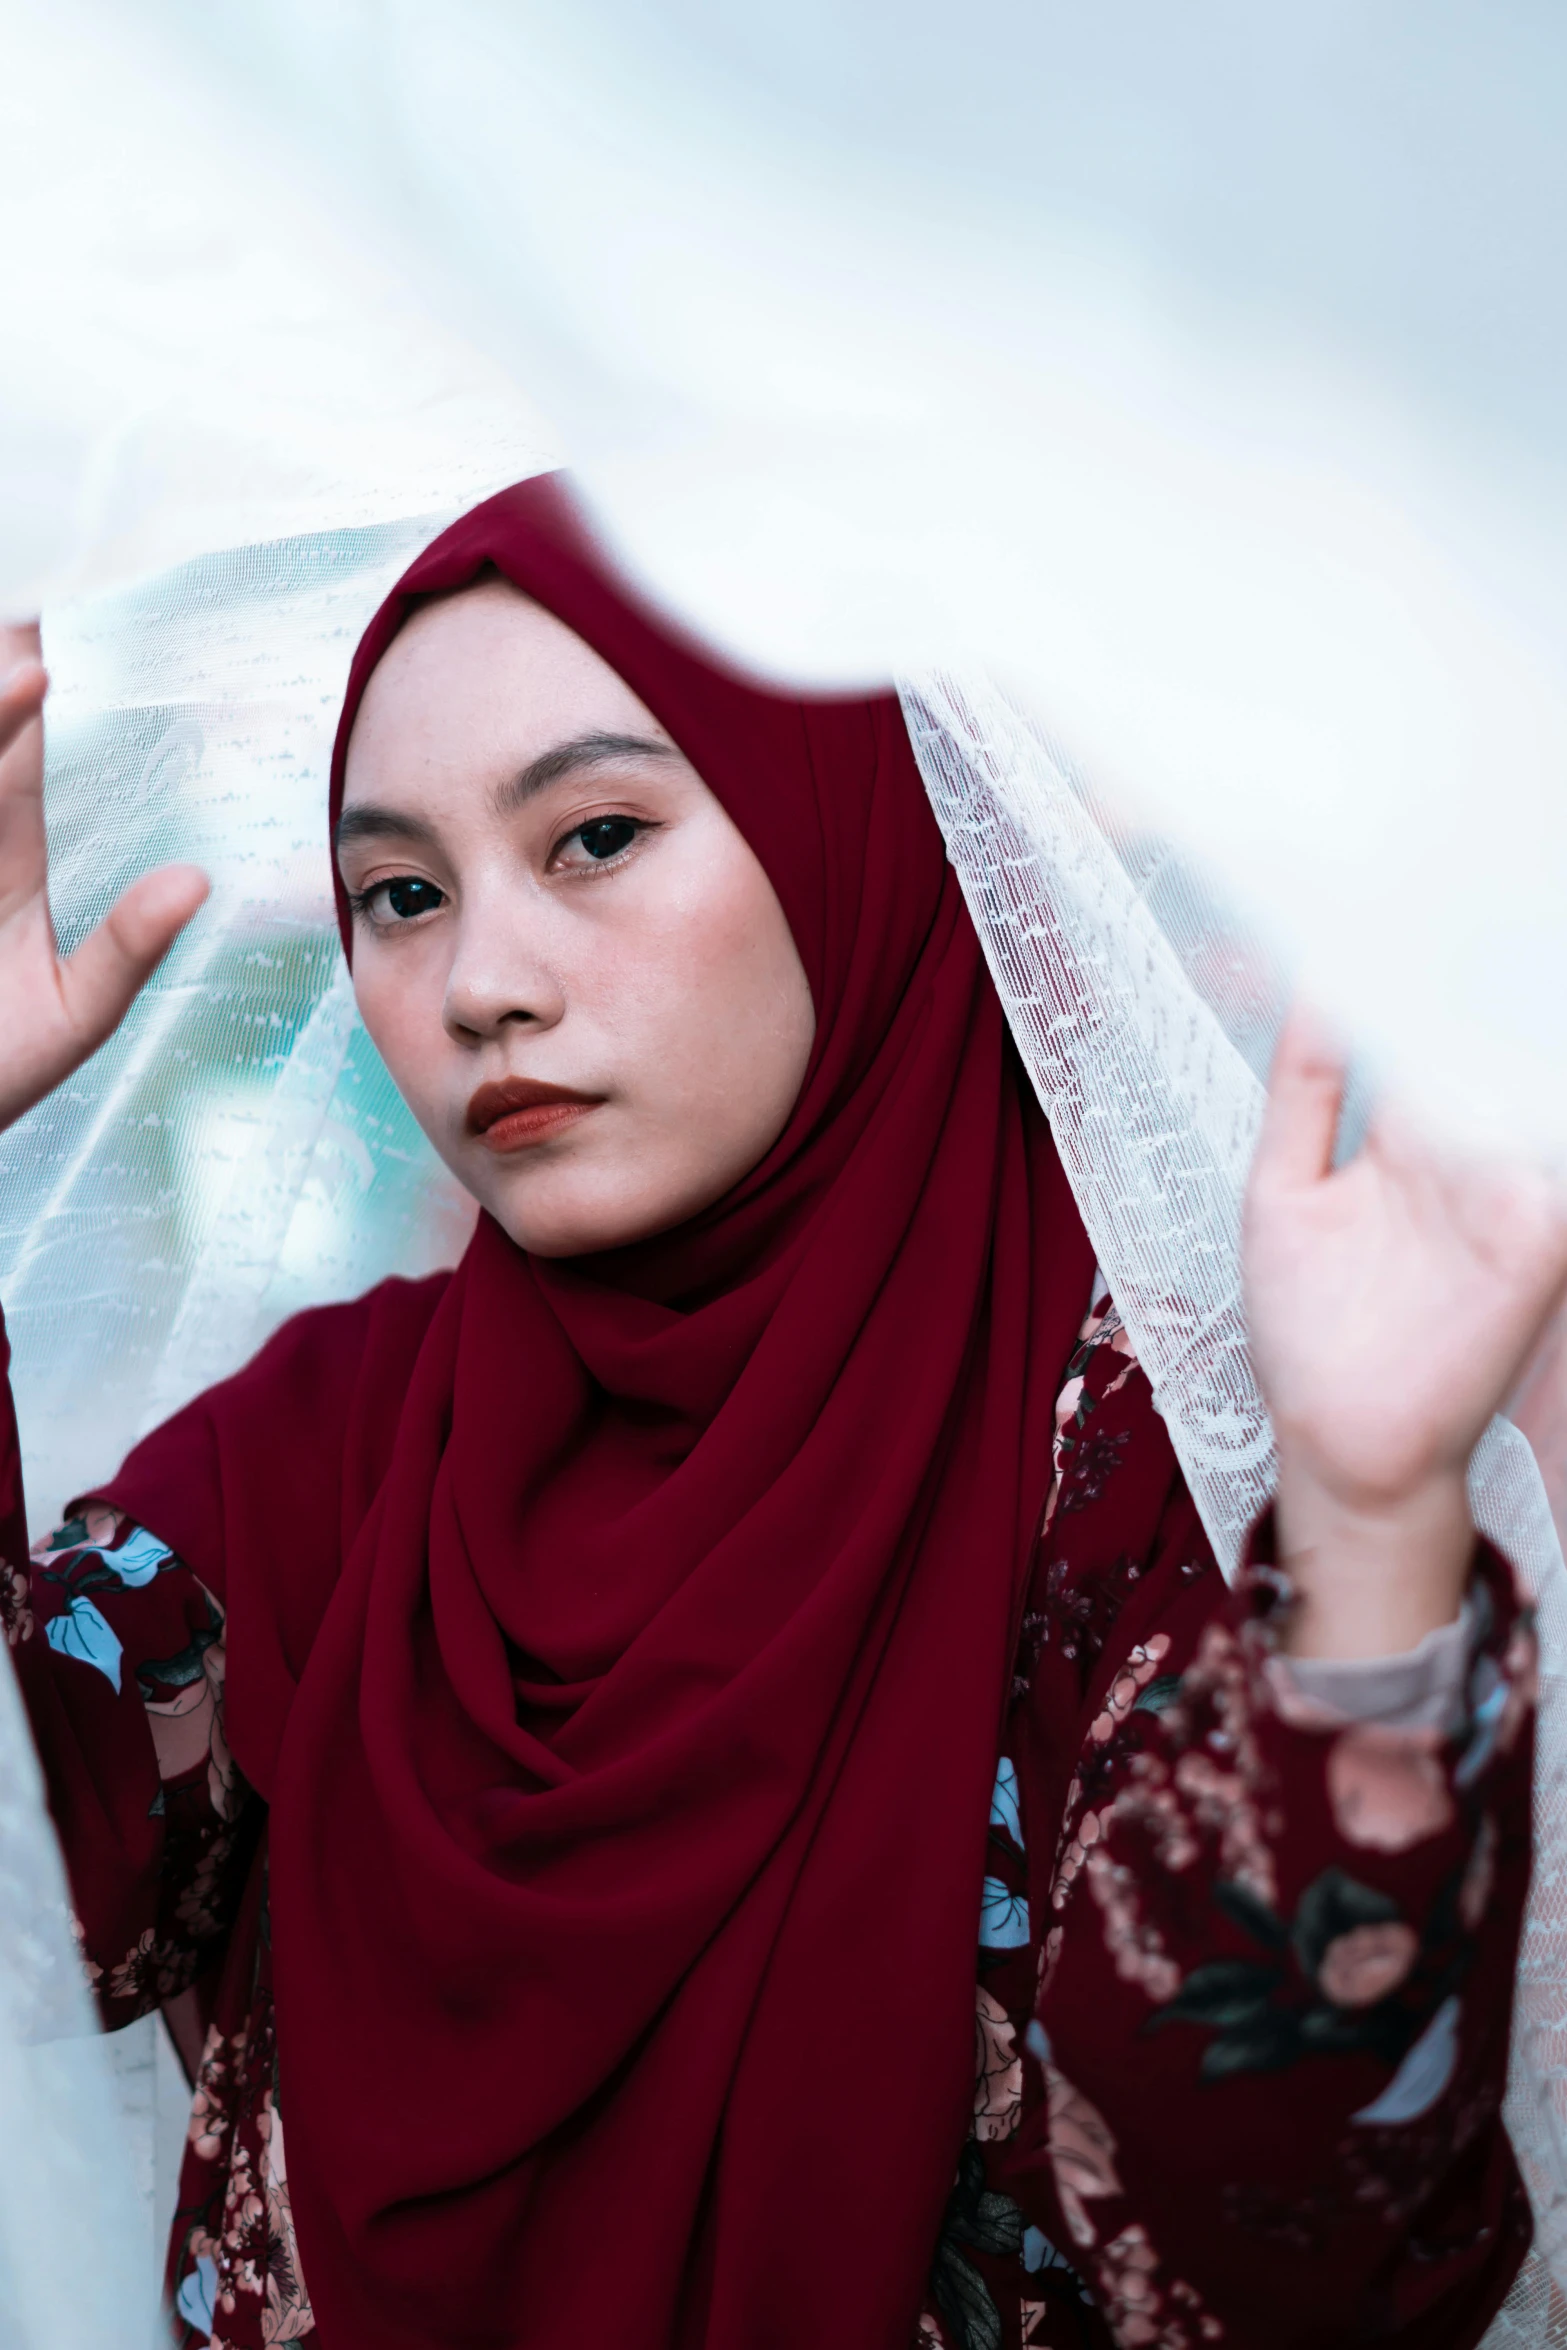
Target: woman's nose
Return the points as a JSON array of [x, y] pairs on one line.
[[498, 975]]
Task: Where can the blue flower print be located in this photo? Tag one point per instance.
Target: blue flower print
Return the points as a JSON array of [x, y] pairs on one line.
[[1003, 1917], [1423, 2076], [196, 2300], [140, 1557], [1004, 1812], [80, 1567], [81, 1632]]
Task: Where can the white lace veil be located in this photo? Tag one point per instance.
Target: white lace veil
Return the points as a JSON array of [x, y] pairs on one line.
[[886, 342]]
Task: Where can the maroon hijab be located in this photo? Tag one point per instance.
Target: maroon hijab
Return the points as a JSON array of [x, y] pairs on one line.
[[621, 1645]]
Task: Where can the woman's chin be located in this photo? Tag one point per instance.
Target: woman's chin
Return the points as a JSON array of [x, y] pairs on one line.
[[597, 1187], [558, 1219], [554, 1213]]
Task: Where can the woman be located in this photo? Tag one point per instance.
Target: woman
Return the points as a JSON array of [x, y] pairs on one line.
[[567, 1716]]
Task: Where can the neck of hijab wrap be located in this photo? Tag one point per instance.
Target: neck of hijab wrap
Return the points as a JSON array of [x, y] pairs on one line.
[[622, 1645]]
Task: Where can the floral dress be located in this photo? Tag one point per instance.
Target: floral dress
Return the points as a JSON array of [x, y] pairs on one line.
[[1244, 1963]]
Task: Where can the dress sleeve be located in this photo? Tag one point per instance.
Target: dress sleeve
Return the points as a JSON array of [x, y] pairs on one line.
[[1425, 1689], [1276, 1974], [119, 1653]]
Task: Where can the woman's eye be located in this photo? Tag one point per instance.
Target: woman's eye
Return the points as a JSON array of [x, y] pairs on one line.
[[404, 899], [606, 836]]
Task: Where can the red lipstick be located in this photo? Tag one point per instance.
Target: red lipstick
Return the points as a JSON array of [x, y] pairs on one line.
[[517, 1112]]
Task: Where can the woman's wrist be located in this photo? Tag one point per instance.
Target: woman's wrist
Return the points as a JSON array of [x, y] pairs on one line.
[[1372, 1575]]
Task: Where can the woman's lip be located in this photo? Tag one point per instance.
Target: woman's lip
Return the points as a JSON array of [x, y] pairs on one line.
[[518, 1130], [506, 1100]]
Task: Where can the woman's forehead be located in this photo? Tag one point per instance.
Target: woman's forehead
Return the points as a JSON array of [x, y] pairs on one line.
[[482, 674]]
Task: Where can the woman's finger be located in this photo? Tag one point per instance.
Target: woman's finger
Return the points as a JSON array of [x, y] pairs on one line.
[[23, 680], [23, 685], [20, 640], [24, 853], [1305, 1096], [22, 689], [100, 980]]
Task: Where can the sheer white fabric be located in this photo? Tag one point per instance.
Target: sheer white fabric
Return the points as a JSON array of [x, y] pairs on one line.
[[77, 2268], [237, 1150]]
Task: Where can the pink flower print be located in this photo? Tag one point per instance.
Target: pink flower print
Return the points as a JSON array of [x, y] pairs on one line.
[[208, 2125], [1133, 1943], [1475, 1891], [1066, 1412], [242, 2209], [1150, 1803], [1387, 1787], [153, 1967], [1222, 1805], [287, 2316], [208, 2128], [1140, 2316], [1072, 1859], [998, 2070], [1127, 2271], [1141, 1667], [1119, 1340], [1082, 2154], [1364, 1965], [1067, 1402]]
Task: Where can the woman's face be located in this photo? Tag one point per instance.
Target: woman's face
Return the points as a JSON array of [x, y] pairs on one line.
[[575, 969]]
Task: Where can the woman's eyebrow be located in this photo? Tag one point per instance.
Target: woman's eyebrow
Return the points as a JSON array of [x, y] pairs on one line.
[[583, 750], [364, 821]]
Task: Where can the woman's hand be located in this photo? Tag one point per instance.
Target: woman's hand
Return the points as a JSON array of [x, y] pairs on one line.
[[54, 1013], [1393, 1303]]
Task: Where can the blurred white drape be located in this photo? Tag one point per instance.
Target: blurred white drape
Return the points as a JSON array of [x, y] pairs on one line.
[[1198, 374]]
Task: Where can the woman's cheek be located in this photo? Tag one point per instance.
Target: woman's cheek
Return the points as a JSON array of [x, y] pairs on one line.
[[403, 1019]]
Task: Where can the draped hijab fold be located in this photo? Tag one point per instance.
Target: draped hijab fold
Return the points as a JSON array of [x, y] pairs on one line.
[[621, 1645]]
